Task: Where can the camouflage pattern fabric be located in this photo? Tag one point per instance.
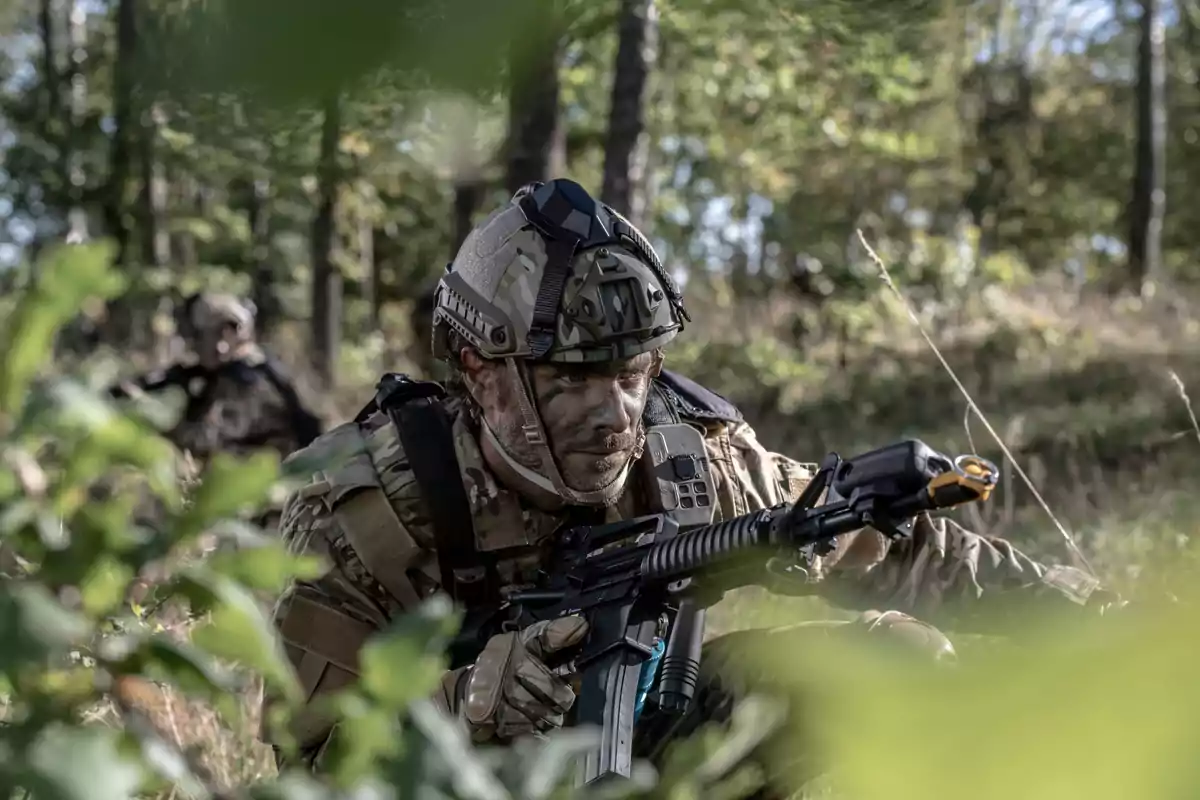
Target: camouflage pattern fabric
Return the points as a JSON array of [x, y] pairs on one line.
[[245, 413], [616, 302], [943, 570]]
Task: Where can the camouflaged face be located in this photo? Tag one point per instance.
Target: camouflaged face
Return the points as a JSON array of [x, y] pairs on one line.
[[219, 326], [210, 312], [613, 304]]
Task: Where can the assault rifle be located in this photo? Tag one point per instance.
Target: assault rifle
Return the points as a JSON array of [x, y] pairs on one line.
[[623, 577]]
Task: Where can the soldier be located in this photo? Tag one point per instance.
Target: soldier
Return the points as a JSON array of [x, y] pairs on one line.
[[238, 399], [553, 319]]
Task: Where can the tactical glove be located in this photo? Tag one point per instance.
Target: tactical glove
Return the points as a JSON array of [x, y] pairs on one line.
[[908, 634], [509, 691]]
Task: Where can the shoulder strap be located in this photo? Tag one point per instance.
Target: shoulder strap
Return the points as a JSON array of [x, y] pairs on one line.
[[416, 410], [660, 410], [690, 400]]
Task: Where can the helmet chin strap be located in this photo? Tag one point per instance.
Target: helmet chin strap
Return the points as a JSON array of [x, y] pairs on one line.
[[548, 476]]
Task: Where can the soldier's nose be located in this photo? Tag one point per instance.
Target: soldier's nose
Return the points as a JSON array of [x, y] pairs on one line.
[[611, 414]]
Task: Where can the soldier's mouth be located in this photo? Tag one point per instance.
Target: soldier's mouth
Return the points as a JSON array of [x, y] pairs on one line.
[[604, 453]]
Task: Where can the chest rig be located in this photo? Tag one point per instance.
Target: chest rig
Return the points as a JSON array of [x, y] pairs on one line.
[[674, 471]]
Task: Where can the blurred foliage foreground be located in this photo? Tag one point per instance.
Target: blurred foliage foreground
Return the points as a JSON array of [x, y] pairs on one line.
[[1106, 710]]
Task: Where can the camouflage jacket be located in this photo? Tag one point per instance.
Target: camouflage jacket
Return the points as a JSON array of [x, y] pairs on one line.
[[365, 518], [242, 406]]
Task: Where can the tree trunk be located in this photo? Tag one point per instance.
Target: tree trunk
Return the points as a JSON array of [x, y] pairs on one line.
[[76, 178], [366, 257], [533, 102], [626, 147], [120, 159], [183, 241], [467, 197], [327, 281], [155, 238], [51, 85], [258, 219], [379, 241], [1148, 202], [156, 242]]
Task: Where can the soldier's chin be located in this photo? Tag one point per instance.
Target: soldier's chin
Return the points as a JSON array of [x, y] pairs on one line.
[[588, 472]]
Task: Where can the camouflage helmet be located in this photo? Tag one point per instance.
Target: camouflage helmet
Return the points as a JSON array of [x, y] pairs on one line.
[[556, 275], [219, 326]]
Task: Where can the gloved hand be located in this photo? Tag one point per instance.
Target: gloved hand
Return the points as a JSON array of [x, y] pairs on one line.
[[909, 634], [509, 691]]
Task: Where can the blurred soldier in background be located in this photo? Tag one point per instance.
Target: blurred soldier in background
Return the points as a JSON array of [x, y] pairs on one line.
[[238, 399]]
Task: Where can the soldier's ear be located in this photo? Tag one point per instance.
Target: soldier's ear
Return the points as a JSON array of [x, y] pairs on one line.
[[656, 367], [475, 371]]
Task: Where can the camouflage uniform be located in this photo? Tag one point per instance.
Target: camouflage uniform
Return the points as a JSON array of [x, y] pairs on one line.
[[365, 515], [237, 399]]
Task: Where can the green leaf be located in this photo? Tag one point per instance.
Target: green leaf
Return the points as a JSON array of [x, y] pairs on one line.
[[365, 733], [296, 785], [65, 277], [81, 764], [237, 629], [407, 660], [264, 565], [324, 454], [469, 774], [165, 760], [34, 625], [179, 664], [103, 587], [228, 486]]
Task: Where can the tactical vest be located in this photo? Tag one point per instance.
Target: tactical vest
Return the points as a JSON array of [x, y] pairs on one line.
[[676, 470]]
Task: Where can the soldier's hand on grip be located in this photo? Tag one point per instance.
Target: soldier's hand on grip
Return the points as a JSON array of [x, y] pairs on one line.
[[510, 691]]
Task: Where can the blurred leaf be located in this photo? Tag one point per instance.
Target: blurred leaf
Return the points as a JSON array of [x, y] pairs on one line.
[[81, 764], [65, 278], [469, 775], [265, 565], [103, 588], [237, 629], [165, 760], [227, 487], [177, 664], [365, 734], [34, 625], [1053, 711], [406, 661], [451, 43]]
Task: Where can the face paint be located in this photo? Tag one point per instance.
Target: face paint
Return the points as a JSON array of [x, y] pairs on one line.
[[495, 394], [593, 415]]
